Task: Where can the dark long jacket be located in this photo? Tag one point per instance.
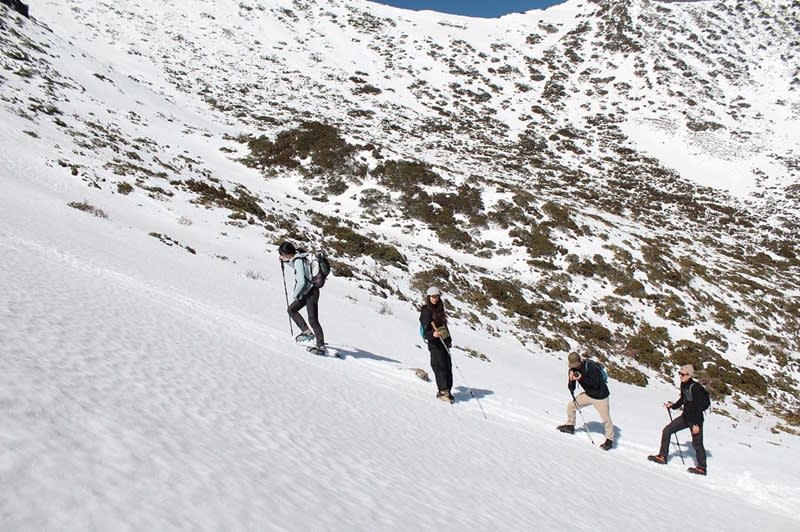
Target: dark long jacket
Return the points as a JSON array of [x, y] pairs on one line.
[[425, 319], [694, 399], [591, 381]]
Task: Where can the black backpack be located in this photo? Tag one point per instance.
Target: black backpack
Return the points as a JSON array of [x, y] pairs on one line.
[[705, 400], [319, 267]]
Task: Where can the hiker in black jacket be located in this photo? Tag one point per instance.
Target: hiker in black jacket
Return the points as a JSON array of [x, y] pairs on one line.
[[595, 392], [433, 326], [694, 399]]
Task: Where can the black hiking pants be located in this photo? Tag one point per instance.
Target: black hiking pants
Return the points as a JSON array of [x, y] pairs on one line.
[[311, 301], [441, 365], [677, 425]]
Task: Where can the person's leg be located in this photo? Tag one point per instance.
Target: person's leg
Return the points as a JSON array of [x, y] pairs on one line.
[[674, 426], [603, 408], [312, 305], [294, 313], [448, 373], [582, 400], [439, 365], [699, 449]]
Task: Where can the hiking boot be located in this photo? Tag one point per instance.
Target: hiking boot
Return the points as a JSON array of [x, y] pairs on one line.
[[699, 470], [317, 350], [657, 458], [304, 336], [569, 429], [606, 445], [444, 395]]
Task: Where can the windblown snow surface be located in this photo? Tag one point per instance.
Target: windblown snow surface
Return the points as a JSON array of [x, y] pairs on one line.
[[147, 388], [144, 387]]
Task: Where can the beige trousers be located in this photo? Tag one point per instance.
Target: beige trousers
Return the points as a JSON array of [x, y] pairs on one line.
[[602, 408]]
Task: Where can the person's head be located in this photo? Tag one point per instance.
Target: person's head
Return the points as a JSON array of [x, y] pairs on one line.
[[286, 251], [574, 360], [686, 372], [433, 295]]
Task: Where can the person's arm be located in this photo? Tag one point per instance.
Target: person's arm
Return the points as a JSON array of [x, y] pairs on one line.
[[299, 277], [425, 319], [677, 404], [572, 379]]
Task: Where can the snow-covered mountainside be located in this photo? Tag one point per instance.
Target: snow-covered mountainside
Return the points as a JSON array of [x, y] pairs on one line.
[[617, 177]]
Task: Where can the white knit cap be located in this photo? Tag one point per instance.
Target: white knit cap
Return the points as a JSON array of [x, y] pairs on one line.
[[434, 291]]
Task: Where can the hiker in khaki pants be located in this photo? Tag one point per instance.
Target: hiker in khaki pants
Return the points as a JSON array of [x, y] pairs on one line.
[[595, 392]]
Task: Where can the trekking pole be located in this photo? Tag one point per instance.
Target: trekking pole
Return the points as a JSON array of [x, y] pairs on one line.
[[286, 294], [677, 444], [461, 374], [582, 418], [465, 380]]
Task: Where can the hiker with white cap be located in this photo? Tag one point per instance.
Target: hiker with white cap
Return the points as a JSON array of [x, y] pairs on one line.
[[694, 399], [433, 327]]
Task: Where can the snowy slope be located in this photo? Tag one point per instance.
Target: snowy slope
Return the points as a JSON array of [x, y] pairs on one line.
[[630, 166], [148, 388], [150, 380]]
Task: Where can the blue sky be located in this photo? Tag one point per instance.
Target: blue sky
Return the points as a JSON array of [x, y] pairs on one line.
[[472, 8]]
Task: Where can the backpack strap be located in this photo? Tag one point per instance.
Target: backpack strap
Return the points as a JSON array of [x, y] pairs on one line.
[[308, 267]]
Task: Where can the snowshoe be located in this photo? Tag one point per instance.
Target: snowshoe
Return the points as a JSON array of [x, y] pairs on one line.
[[317, 350], [305, 336], [607, 445], [657, 458], [697, 470], [569, 429]]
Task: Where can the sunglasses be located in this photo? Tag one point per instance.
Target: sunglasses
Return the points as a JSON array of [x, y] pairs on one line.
[[682, 374]]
